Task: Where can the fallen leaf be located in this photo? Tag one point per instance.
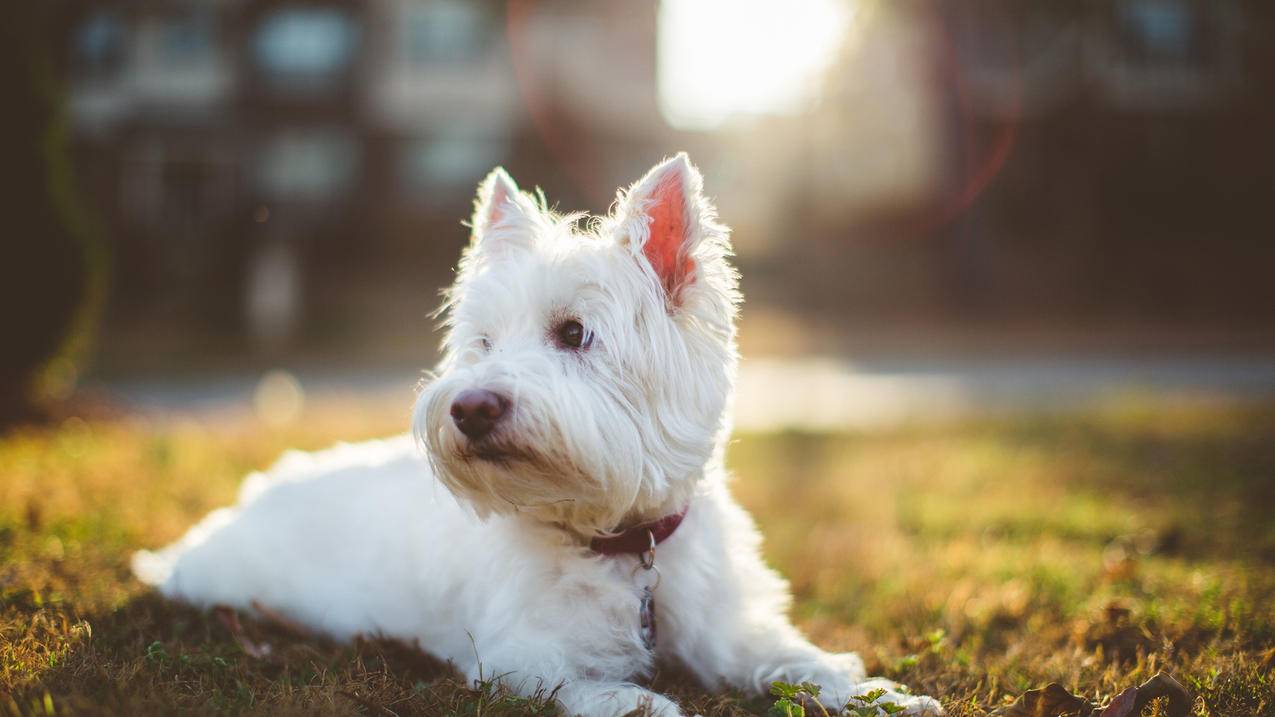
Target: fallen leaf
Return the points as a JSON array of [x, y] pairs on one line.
[[1051, 701], [1161, 685], [1055, 700], [1122, 705]]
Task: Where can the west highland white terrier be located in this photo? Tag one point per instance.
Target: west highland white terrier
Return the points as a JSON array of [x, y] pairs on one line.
[[566, 493]]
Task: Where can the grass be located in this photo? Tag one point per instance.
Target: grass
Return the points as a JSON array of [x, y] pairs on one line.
[[970, 561]]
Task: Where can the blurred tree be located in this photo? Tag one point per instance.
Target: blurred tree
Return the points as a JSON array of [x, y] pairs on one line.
[[53, 271]]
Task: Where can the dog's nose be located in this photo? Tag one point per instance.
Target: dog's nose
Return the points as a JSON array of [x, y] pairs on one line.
[[476, 411]]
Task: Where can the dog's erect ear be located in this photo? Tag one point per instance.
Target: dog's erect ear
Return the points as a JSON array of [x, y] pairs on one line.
[[663, 218], [500, 211]]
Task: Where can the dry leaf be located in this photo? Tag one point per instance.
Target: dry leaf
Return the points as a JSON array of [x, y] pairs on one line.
[[1122, 705], [1052, 701], [1161, 685]]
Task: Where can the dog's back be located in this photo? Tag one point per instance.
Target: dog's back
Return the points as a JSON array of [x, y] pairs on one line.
[[316, 536]]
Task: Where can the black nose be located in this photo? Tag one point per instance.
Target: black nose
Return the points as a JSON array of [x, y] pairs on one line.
[[476, 411]]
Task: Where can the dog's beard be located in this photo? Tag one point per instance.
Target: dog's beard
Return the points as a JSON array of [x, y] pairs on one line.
[[501, 452], [511, 479], [531, 464]]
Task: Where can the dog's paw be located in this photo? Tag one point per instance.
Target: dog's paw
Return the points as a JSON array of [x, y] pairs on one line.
[[593, 699], [880, 692], [848, 664]]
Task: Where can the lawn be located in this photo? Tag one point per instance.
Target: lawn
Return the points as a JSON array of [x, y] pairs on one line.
[[971, 561]]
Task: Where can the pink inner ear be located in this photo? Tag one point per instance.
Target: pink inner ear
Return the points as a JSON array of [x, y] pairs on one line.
[[496, 204], [666, 243]]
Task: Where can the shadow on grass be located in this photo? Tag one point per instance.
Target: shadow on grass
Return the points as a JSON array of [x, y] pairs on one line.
[[152, 656]]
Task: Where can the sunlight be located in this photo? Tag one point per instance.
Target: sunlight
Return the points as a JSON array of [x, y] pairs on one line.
[[719, 58]]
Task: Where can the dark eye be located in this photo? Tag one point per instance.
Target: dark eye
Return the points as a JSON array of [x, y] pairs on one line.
[[486, 343], [570, 334]]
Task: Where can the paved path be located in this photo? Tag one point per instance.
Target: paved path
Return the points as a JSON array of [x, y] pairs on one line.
[[817, 393], [868, 394]]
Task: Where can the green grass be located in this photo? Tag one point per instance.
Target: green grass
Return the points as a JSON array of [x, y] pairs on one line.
[[970, 561]]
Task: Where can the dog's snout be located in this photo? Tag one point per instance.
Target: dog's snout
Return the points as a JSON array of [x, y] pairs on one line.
[[476, 411]]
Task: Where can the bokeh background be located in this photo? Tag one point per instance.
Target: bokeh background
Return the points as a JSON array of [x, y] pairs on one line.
[[936, 206], [1005, 413]]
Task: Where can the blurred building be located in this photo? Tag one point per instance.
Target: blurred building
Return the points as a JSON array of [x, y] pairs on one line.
[[275, 167], [253, 159], [1054, 160], [1134, 177]]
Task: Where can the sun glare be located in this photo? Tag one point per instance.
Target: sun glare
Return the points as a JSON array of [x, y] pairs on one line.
[[719, 58]]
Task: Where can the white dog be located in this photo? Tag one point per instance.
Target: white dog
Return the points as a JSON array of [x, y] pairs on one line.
[[571, 495]]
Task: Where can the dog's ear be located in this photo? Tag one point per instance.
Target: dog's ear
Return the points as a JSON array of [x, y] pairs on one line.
[[501, 212], [664, 219]]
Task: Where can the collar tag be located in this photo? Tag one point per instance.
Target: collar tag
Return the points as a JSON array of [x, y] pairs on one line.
[[640, 541], [646, 618], [646, 604]]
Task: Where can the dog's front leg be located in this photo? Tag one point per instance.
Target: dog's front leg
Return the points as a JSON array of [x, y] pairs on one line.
[[752, 652], [583, 696], [575, 650], [727, 616], [612, 699]]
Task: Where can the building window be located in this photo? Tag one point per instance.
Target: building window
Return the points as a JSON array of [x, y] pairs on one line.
[[187, 39], [439, 169], [1161, 33], [98, 45], [307, 165], [307, 44], [446, 31]]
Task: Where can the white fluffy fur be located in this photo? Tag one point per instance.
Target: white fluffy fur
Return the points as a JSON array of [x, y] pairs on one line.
[[485, 563]]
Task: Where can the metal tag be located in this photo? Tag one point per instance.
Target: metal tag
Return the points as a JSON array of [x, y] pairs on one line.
[[646, 615]]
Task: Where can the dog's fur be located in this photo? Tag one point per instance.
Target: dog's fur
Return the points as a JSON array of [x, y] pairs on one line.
[[478, 550]]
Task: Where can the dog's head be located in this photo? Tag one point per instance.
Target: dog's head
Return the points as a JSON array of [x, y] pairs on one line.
[[587, 372]]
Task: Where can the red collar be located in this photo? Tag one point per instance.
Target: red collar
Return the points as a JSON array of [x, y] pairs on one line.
[[637, 539]]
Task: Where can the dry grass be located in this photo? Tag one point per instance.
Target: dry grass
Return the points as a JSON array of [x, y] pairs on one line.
[[971, 561]]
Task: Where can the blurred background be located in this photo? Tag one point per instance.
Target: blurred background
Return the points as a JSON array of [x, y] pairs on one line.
[[1042, 228], [938, 207]]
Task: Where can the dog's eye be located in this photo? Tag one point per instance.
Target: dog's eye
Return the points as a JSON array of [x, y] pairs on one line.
[[570, 334], [486, 344]]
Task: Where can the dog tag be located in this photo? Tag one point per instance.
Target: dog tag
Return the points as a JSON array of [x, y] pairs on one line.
[[646, 616]]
